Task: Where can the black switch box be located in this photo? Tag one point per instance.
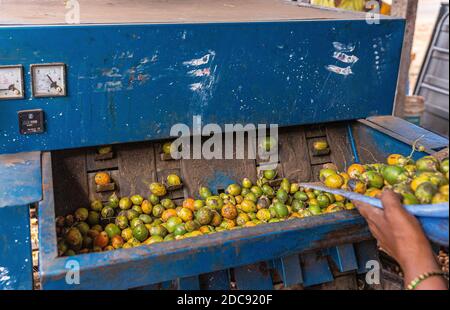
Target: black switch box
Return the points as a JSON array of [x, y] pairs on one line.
[[31, 122]]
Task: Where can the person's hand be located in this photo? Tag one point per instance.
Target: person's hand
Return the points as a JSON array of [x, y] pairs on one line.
[[400, 235]]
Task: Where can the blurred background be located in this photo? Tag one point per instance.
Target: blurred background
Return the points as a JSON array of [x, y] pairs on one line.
[[427, 12]]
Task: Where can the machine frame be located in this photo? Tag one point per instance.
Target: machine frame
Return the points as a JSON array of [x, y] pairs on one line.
[[119, 75]]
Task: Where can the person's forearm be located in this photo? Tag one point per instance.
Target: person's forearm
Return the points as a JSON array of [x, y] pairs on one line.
[[426, 262]]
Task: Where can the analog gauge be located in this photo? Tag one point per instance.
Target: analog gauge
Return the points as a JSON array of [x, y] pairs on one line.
[[49, 80], [11, 82]]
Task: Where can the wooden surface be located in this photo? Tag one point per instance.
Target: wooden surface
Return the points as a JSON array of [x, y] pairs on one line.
[[294, 154], [103, 195], [199, 172], [96, 165], [135, 165], [167, 11], [342, 155], [405, 9], [70, 181], [441, 155], [166, 167]]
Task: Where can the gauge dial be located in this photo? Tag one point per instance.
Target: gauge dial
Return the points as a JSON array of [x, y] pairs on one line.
[[11, 82], [49, 80]]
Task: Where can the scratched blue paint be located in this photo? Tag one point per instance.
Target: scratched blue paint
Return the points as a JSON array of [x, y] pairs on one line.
[[20, 179], [133, 82], [15, 249]]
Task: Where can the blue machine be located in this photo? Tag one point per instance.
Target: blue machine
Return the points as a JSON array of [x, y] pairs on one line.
[[65, 89]]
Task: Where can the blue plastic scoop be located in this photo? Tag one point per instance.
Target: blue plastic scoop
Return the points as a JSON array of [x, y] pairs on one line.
[[428, 210], [433, 217]]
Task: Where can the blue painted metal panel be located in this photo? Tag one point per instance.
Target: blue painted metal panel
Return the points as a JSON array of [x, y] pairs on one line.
[[188, 283], [382, 143], [315, 269], [253, 277], [133, 82], [219, 280], [46, 215], [353, 147], [16, 265], [20, 179], [289, 269], [408, 132], [151, 287], [167, 285], [344, 257]]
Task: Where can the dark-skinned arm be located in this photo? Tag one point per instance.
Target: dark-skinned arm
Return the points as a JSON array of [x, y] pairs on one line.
[[400, 235]]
